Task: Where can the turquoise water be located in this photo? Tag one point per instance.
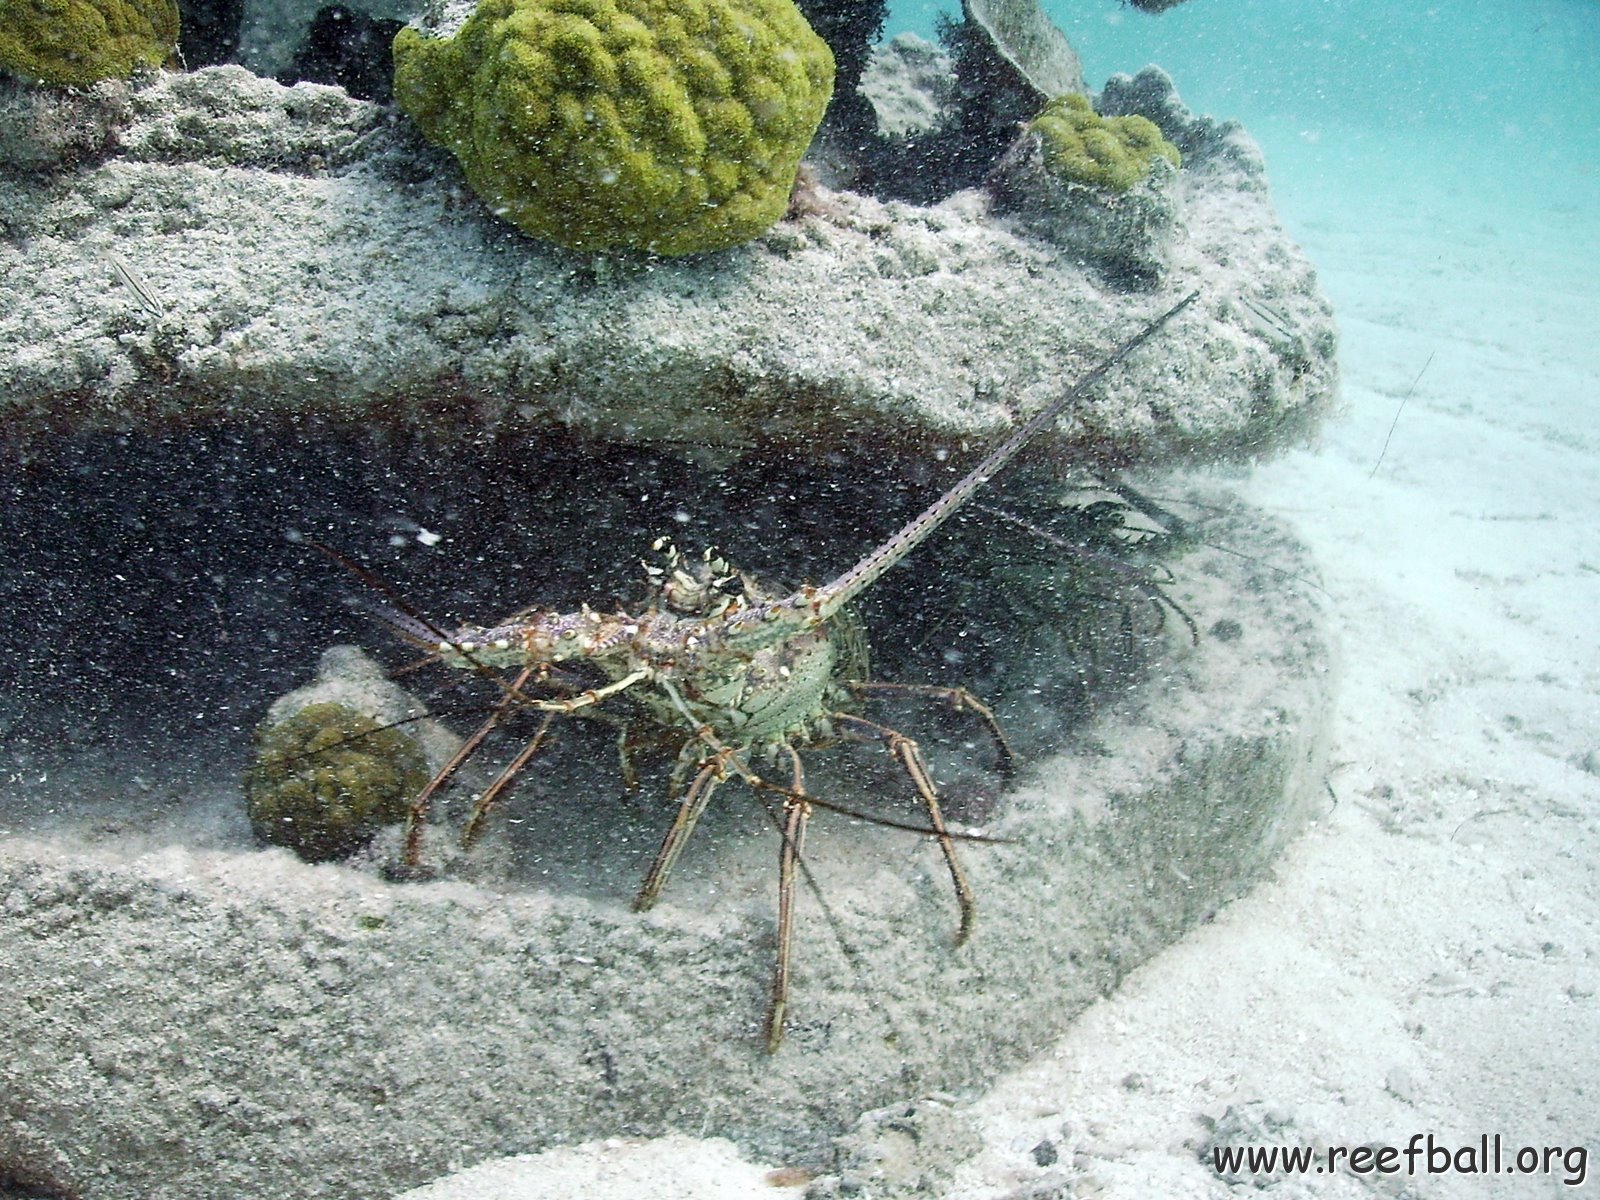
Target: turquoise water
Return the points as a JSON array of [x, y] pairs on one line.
[[1466, 63], [1506, 88]]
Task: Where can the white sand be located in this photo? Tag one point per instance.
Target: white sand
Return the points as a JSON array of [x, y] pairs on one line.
[[1427, 959]]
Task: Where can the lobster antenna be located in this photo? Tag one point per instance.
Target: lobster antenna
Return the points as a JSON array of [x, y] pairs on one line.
[[842, 590], [414, 621]]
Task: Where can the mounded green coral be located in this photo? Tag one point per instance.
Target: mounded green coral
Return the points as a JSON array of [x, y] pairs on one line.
[[77, 42], [326, 779], [674, 126], [1113, 153]]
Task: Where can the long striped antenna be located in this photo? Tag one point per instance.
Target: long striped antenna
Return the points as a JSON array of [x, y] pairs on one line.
[[415, 628], [841, 591]]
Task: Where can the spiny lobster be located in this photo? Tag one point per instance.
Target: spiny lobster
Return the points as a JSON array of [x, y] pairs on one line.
[[728, 668]]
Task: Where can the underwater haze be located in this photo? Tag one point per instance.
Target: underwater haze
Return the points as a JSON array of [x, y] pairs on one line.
[[1419, 968], [1498, 96], [1471, 68]]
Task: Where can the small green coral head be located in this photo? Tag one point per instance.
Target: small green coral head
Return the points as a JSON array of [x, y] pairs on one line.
[[1112, 153], [325, 780], [79, 42], [674, 126]]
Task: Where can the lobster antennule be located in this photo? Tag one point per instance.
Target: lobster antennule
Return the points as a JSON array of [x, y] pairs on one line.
[[409, 629]]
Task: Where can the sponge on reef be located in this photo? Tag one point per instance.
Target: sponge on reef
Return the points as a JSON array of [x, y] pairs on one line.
[[325, 780], [674, 126], [1111, 153], [79, 42]]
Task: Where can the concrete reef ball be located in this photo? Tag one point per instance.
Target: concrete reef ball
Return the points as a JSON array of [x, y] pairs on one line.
[[1111, 153], [673, 126], [326, 779], [73, 43]]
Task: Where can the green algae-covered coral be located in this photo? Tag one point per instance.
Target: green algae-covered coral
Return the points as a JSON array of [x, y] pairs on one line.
[[78, 42], [674, 126], [1113, 153], [326, 779]]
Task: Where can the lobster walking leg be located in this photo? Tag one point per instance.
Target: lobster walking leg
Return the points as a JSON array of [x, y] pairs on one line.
[[491, 794], [417, 814], [591, 697], [909, 757], [959, 699], [796, 812], [712, 772]]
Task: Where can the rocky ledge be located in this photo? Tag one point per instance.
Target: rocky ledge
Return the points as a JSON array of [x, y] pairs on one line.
[[214, 246]]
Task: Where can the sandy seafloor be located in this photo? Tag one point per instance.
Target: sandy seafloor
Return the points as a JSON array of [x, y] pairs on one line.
[[1426, 959]]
